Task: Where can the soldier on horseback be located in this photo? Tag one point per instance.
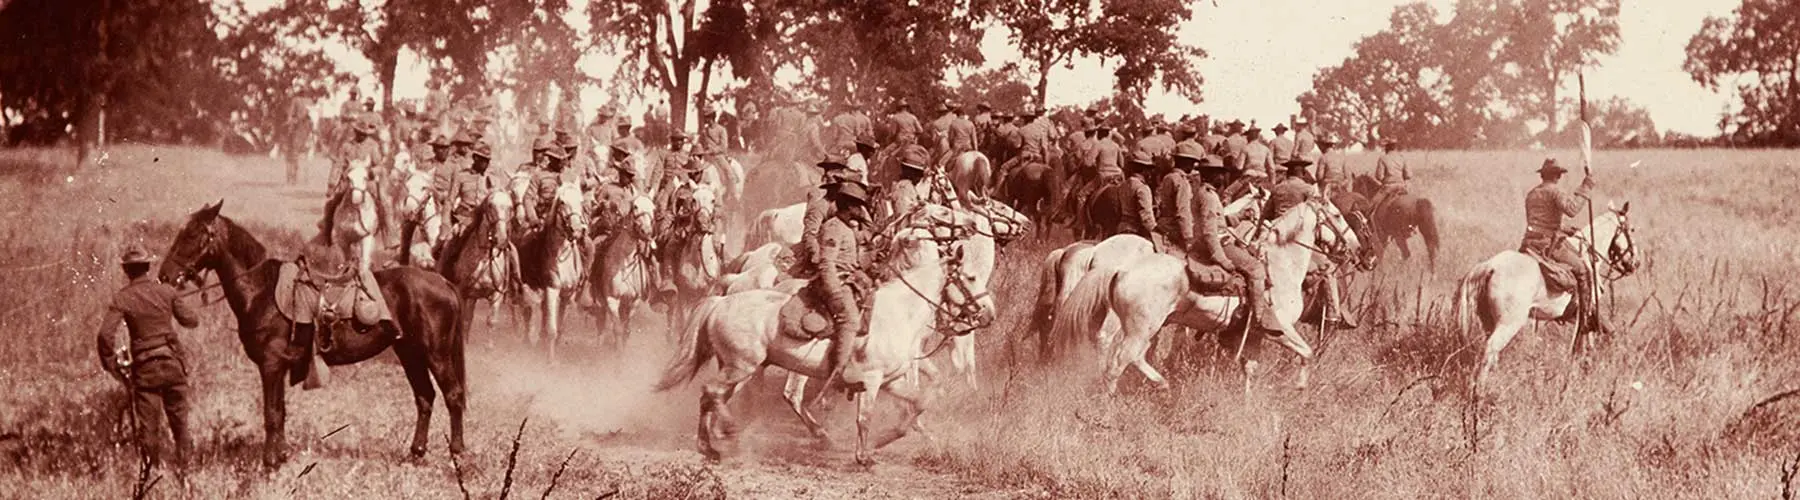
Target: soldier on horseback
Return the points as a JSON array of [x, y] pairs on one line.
[[714, 141], [907, 192], [678, 207], [1214, 245], [1139, 203], [1295, 188], [1175, 199], [1391, 171], [362, 148], [614, 198], [1334, 172], [1034, 139], [840, 283], [1547, 209], [906, 126], [819, 206], [467, 189], [1108, 169]]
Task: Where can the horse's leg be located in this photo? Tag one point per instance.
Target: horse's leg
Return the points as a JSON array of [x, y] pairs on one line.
[[530, 300], [963, 357], [1400, 238], [1513, 315], [715, 403], [913, 399], [274, 388], [865, 407], [614, 317], [1137, 328], [418, 377], [552, 311], [794, 392]]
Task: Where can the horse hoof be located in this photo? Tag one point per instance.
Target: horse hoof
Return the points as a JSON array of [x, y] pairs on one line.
[[865, 461], [418, 452]]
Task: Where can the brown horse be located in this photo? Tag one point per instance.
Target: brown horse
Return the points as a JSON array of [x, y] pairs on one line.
[[478, 260], [423, 304], [1396, 219], [1097, 218], [1033, 188]]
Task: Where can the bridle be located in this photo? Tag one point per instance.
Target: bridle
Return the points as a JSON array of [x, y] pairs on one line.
[[1619, 262], [963, 316]]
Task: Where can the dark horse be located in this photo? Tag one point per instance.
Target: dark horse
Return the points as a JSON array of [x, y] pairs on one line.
[[1394, 220], [423, 305], [1099, 216], [1033, 188], [478, 259]]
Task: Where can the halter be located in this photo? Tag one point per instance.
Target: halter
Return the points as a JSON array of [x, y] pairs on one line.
[[970, 305], [1618, 262]]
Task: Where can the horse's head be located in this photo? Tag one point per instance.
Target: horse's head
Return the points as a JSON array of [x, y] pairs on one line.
[[1001, 221], [1621, 254], [1338, 236], [966, 292], [569, 210], [417, 187], [705, 206], [499, 208], [519, 185], [199, 246], [643, 215]]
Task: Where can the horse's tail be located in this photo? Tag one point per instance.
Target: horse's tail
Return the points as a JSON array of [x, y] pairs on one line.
[[1425, 218], [1084, 311], [696, 350], [1468, 294], [1044, 311]]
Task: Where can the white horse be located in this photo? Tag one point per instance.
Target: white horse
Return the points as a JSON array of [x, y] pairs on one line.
[[1064, 267], [357, 219], [1506, 291], [622, 267], [762, 268], [782, 225], [743, 332], [421, 218], [1154, 291], [551, 264], [699, 256]]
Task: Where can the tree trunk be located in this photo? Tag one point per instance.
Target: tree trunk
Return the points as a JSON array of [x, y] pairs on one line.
[[705, 85], [678, 96], [1043, 82]]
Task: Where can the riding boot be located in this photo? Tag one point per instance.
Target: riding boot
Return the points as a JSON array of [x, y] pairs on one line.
[[1262, 308]]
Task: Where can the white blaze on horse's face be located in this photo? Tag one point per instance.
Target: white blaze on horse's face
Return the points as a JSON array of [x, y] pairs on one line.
[[568, 197], [643, 213], [705, 201], [501, 205]]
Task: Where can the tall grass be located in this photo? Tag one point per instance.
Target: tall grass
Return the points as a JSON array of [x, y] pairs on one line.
[[1657, 410]]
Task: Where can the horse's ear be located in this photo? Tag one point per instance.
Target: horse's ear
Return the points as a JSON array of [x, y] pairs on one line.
[[209, 212], [1625, 209]]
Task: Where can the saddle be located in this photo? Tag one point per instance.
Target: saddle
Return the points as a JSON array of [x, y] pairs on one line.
[[803, 317], [1558, 277], [318, 304], [1208, 279]]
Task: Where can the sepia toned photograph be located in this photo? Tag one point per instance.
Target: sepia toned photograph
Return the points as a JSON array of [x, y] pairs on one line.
[[899, 249]]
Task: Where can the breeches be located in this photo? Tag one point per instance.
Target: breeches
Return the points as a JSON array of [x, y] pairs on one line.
[[159, 407]]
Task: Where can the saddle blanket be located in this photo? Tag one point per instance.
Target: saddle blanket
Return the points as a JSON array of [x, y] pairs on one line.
[[1208, 279], [1558, 277]]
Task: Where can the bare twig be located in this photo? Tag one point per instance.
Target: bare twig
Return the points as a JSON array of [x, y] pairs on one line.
[[1789, 469], [1286, 459], [609, 494], [334, 432], [460, 484], [1402, 393], [558, 474], [512, 460]]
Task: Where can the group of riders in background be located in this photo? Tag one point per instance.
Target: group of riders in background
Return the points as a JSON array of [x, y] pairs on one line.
[[1168, 181]]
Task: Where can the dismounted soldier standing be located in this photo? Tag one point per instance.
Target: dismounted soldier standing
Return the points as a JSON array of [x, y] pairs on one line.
[[1213, 245], [152, 361], [1547, 209], [839, 262]]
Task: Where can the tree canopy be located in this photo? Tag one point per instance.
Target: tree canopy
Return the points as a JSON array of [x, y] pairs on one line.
[[1757, 51]]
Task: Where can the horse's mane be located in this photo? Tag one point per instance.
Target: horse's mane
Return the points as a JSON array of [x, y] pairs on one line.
[[453, 248], [1286, 228], [241, 244]]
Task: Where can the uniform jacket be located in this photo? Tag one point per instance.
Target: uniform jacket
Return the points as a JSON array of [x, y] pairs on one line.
[[1391, 170], [1547, 208], [149, 309], [1259, 157], [1175, 207]]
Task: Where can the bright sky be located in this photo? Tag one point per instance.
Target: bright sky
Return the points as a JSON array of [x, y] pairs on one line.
[[1264, 53]]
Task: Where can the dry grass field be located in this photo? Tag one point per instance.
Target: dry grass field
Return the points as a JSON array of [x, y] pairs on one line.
[[1662, 409]]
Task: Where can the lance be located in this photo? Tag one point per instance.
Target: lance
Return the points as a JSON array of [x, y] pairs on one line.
[[1587, 170]]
